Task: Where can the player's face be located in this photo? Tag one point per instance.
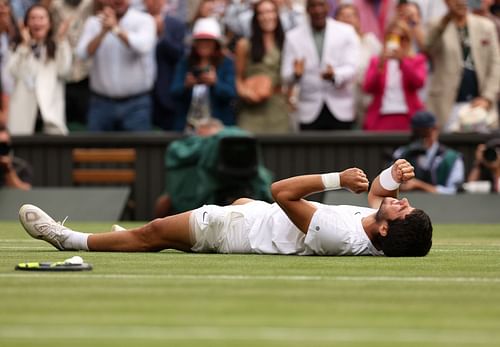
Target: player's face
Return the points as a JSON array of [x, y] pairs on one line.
[[392, 209]]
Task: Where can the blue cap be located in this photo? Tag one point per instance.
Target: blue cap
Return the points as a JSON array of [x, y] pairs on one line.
[[423, 119]]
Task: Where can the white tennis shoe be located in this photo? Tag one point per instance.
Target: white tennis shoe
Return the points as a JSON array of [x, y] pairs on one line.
[[41, 226]]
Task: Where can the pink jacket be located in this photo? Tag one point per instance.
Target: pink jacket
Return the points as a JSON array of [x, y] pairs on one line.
[[414, 72]]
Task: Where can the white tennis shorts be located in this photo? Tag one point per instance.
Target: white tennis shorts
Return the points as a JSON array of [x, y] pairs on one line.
[[220, 229]]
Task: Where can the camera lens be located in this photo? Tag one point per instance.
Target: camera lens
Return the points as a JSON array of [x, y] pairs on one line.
[[490, 154], [4, 148]]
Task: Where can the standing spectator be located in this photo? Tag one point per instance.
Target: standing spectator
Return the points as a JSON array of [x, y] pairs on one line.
[[238, 16], [9, 34], [465, 57], [14, 172], [263, 108], [370, 46], [204, 82], [487, 164], [120, 40], [438, 169], [38, 66], [169, 50], [74, 13], [318, 57], [375, 15], [410, 12], [394, 78]]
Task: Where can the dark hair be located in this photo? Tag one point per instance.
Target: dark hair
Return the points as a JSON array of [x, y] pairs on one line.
[[49, 40], [215, 60], [408, 237], [257, 41]]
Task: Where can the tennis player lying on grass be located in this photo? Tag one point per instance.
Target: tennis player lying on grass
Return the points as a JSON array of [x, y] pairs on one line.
[[292, 225]]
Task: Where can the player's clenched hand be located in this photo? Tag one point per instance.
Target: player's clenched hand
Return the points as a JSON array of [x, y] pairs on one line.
[[354, 179], [402, 171]]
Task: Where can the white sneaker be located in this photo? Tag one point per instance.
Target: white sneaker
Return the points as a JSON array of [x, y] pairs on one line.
[[41, 226], [116, 227]]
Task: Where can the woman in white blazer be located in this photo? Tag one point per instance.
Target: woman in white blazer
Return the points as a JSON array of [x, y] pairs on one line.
[[38, 65]]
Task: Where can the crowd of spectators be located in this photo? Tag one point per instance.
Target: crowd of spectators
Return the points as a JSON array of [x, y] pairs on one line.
[[268, 66]]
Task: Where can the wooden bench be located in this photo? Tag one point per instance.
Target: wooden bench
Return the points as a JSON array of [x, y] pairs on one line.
[[104, 166]]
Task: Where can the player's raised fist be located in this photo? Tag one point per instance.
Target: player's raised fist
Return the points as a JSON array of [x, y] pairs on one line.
[[402, 171], [354, 179]]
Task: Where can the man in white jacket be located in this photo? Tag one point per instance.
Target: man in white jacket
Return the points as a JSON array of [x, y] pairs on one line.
[[319, 59]]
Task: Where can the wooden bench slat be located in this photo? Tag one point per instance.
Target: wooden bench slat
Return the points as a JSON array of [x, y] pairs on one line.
[[109, 176], [96, 155]]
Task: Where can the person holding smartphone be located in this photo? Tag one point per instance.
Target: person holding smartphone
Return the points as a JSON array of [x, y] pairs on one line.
[[394, 79], [204, 81]]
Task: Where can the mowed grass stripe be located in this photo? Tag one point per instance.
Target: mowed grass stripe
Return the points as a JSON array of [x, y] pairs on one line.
[[90, 276], [292, 334]]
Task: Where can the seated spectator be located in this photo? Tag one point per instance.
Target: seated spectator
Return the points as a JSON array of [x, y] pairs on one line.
[[438, 169], [487, 164], [74, 13], [263, 106], [204, 81], [318, 60], [120, 42], [14, 172], [394, 79], [465, 57], [370, 46], [170, 33], [193, 176], [38, 66]]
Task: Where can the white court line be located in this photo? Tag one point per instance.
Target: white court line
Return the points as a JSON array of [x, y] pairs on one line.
[[297, 278], [253, 333]]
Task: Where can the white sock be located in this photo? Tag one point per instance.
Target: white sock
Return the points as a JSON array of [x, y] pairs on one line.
[[77, 241]]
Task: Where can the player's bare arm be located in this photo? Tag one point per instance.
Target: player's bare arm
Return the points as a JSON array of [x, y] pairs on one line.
[[290, 193], [401, 171]]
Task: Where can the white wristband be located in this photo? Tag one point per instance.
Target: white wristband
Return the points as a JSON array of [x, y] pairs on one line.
[[386, 180], [331, 181]]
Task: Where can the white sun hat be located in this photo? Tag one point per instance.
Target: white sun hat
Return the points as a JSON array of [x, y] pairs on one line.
[[207, 28]]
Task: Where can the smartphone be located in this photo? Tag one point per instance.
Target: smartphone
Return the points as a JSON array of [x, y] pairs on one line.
[[197, 71], [393, 42], [474, 4]]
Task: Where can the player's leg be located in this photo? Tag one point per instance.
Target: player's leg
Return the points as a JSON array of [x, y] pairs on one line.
[[162, 233], [169, 232]]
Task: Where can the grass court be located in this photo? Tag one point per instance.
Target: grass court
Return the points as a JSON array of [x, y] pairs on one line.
[[449, 298]]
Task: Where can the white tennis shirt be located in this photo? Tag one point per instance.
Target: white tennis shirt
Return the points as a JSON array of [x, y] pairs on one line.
[[334, 230]]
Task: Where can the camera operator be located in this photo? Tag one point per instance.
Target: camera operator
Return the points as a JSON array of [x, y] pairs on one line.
[[487, 164], [438, 169], [14, 172]]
